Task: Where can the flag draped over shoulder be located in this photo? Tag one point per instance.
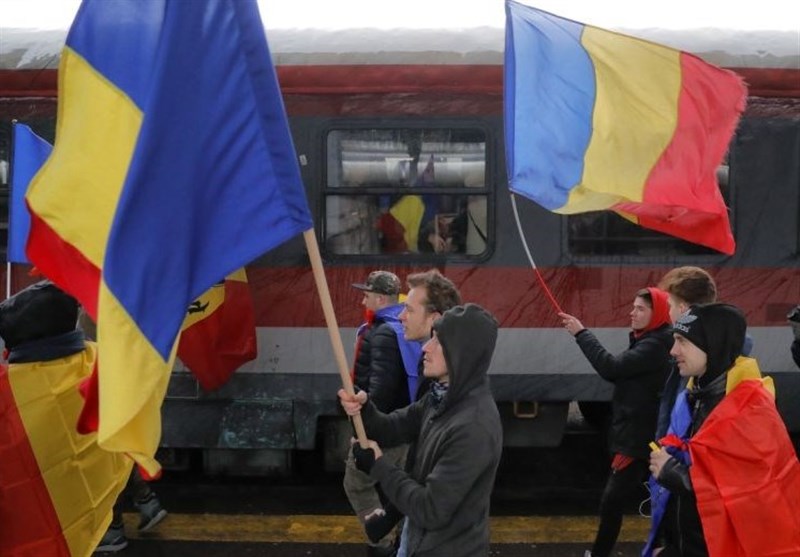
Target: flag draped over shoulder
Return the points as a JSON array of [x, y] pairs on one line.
[[28, 153], [173, 167], [598, 120], [219, 333], [57, 487]]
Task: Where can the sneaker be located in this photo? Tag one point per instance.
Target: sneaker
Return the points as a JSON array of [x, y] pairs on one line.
[[113, 540], [150, 511]]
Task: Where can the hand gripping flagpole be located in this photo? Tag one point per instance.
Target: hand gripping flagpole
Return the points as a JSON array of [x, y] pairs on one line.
[[530, 257], [333, 327]]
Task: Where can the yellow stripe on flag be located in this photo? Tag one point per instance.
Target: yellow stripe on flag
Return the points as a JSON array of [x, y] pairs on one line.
[[637, 95], [95, 169], [82, 479], [408, 211], [133, 383]]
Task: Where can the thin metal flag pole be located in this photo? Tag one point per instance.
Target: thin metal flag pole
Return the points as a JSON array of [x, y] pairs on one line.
[[333, 327], [10, 183], [530, 257]]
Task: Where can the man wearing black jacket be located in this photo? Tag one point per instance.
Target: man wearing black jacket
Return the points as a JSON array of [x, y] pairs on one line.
[[637, 374], [384, 364]]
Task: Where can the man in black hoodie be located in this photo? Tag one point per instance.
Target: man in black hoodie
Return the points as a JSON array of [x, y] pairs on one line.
[[457, 429], [731, 475]]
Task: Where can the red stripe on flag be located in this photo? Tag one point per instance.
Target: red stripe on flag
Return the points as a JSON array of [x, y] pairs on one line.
[[29, 524], [63, 264], [710, 103]]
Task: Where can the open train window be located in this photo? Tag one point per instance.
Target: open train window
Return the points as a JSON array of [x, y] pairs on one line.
[[607, 233], [406, 191]]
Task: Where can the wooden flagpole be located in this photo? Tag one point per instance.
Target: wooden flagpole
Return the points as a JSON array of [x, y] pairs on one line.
[[333, 327]]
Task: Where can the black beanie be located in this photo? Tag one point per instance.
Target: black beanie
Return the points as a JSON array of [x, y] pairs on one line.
[[39, 311], [689, 327], [716, 329]]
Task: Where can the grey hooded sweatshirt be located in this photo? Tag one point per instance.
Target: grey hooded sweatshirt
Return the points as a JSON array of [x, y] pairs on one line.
[[459, 442]]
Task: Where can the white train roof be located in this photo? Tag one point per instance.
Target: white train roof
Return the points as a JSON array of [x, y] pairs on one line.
[[40, 49]]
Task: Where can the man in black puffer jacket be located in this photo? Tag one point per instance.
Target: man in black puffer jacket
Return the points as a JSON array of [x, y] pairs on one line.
[[385, 362], [459, 438]]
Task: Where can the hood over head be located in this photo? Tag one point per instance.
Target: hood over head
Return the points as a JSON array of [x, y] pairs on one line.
[[39, 311], [468, 335], [660, 301]]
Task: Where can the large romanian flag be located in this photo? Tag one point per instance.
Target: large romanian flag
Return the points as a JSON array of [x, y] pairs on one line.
[[599, 120], [173, 167], [219, 333], [57, 487]]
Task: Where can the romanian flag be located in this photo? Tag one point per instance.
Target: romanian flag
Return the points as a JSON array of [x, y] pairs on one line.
[[400, 225], [219, 333], [28, 153], [597, 120], [173, 167], [57, 487]]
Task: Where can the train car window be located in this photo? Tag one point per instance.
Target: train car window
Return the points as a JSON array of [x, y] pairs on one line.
[[607, 233], [406, 191]]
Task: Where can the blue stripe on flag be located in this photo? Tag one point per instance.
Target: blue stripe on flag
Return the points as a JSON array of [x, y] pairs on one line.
[[549, 99], [29, 153], [124, 53], [214, 181]]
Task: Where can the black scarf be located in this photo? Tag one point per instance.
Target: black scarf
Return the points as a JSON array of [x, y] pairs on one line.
[[46, 349]]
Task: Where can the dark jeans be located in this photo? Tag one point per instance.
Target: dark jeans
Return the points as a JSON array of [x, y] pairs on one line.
[[621, 484]]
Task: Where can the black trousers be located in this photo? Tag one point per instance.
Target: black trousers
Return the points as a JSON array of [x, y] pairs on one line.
[[620, 486]]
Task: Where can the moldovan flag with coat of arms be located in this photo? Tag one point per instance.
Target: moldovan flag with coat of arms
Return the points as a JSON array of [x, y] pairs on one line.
[[597, 120], [57, 487], [172, 168], [219, 333]]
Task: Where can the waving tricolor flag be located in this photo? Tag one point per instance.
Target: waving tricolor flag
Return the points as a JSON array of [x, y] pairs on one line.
[[173, 167], [599, 120]]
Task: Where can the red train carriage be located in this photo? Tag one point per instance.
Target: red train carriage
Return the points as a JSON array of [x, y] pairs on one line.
[[397, 145]]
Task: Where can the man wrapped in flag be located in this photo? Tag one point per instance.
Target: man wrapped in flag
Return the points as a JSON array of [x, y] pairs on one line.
[[597, 120], [173, 167], [728, 474], [57, 487]]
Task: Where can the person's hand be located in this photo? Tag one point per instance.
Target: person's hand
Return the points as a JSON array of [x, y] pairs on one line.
[[657, 461], [438, 243], [571, 323], [352, 403], [365, 458]]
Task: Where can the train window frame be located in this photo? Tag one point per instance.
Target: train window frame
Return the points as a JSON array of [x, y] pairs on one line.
[[703, 256], [487, 190]]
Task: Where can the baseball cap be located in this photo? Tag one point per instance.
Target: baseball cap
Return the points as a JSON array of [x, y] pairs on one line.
[[381, 282]]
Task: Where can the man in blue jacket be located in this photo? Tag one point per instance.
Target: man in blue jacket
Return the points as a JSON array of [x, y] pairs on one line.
[[386, 368]]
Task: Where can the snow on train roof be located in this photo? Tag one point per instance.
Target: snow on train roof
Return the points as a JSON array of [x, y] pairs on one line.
[[300, 32]]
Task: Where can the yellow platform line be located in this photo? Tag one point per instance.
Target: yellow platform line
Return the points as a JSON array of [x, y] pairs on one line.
[[346, 529]]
